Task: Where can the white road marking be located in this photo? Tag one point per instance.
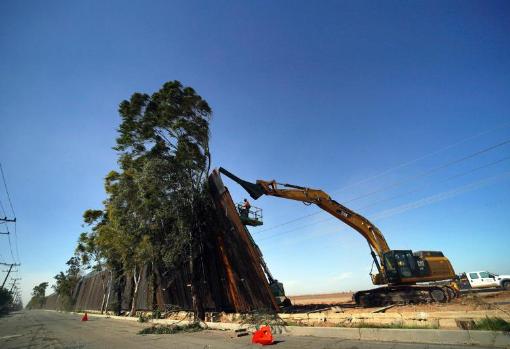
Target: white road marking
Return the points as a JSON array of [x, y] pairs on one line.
[[11, 336]]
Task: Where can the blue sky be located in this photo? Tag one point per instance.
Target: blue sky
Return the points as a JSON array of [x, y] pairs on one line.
[[318, 94]]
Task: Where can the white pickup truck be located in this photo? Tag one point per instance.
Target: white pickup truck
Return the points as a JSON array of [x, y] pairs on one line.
[[483, 279]]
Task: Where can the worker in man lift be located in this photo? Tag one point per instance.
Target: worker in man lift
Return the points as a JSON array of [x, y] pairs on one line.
[[245, 208]]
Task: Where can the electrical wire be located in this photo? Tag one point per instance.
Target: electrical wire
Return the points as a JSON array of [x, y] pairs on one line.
[[453, 145], [291, 221], [10, 247], [383, 214], [7, 190], [14, 216], [502, 126], [401, 182], [458, 175], [431, 171], [443, 180], [2, 208], [16, 242]]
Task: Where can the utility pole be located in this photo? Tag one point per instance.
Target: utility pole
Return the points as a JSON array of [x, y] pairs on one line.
[[5, 219], [10, 268], [14, 283]]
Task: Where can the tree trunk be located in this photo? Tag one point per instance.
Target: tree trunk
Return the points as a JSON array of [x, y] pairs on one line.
[[136, 280], [154, 288], [104, 292], [196, 301], [109, 290]]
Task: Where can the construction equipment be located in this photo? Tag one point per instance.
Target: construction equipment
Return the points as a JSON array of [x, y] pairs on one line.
[[407, 277], [251, 216], [276, 287]]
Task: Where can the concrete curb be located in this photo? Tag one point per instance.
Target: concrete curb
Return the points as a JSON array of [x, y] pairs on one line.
[[427, 336], [447, 337]]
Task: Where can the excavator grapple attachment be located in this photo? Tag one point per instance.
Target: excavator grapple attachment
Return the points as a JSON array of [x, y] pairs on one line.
[[255, 190]]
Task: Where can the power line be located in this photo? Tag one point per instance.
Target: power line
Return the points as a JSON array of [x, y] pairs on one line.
[[464, 173], [440, 196], [7, 190], [433, 170], [5, 220], [407, 163], [7, 232], [2, 208], [16, 241], [399, 183], [453, 145], [10, 247], [289, 222], [9, 271], [383, 214], [443, 180]]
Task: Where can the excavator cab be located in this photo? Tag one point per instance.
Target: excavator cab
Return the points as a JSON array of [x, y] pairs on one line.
[[251, 216], [404, 264]]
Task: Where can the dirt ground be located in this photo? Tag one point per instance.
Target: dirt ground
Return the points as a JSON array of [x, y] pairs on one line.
[[474, 300], [326, 298]]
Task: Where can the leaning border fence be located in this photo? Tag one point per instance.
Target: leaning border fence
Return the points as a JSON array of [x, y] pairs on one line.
[[232, 278]]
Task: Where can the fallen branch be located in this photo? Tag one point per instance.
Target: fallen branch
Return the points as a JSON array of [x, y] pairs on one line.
[[318, 310], [383, 309]]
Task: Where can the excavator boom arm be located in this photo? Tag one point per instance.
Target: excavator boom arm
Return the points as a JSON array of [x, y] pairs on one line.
[[362, 225], [318, 197]]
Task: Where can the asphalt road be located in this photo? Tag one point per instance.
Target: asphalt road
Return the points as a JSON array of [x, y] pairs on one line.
[[47, 329]]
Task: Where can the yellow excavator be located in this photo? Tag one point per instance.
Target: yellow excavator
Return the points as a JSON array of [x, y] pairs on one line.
[[423, 276]]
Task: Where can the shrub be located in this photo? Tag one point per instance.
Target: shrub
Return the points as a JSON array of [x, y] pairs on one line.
[[492, 324], [170, 329]]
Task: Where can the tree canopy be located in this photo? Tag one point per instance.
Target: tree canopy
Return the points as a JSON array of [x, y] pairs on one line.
[[149, 215], [153, 199], [38, 296]]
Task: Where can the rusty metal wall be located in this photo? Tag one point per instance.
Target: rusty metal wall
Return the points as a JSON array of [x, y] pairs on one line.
[[90, 291], [246, 282], [230, 275], [52, 302]]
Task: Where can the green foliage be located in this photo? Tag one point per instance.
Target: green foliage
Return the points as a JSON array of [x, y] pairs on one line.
[[172, 123], [401, 325], [153, 201], [66, 283], [492, 324], [259, 318], [171, 329], [38, 296], [6, 300], [156, 313]]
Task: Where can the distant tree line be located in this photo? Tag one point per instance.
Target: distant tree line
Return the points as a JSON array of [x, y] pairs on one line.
[[149, 214], [38, 296]]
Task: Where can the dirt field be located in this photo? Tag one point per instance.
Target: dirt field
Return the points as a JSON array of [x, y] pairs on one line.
[[326, 298], [338, 309], [479, 300]]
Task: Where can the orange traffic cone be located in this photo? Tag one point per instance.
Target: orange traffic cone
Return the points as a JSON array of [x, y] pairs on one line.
[[263, 336], [85, 317]]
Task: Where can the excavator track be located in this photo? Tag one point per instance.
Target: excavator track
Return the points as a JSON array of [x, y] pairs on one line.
[[404, 294]]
